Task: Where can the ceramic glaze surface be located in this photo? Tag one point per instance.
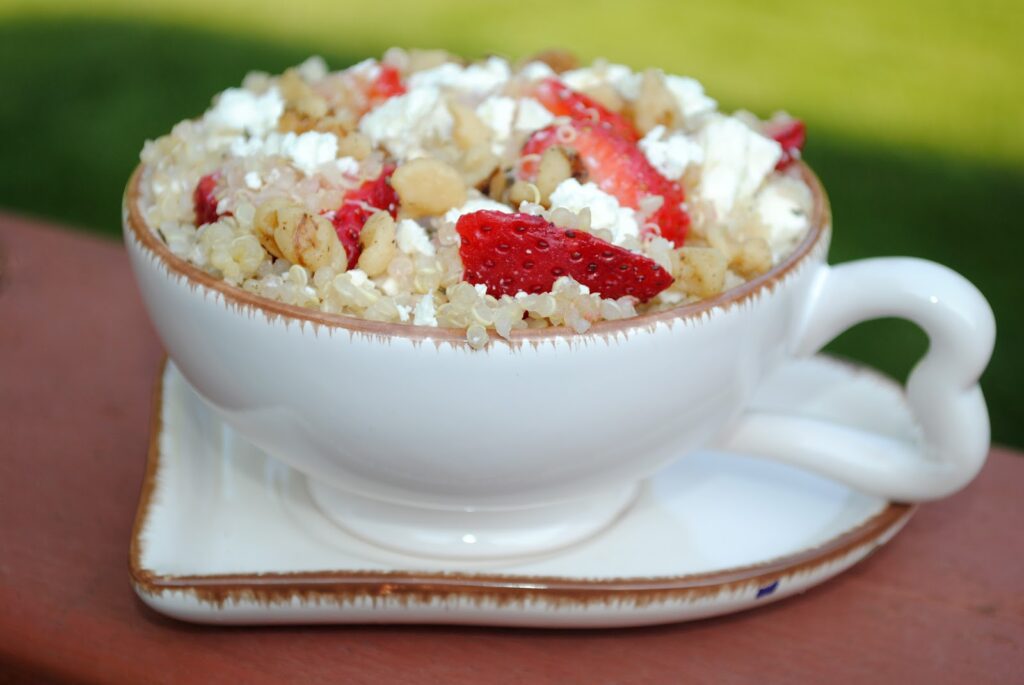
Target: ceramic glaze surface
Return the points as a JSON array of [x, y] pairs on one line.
[[412, 418], [226, 534], [445, 425]]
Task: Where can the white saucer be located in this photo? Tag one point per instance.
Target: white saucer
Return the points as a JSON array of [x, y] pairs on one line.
[[226, 535]]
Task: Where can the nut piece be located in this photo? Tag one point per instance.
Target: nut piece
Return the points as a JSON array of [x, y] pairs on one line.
[[718, 237], [523, 191], [299, 97], [266, 220], [428, 187], [753, 258], [286, 230], [477, 165], [701, 271], [378, 241], [498, 184], [607, 96], [341, 122], [309, 241], [469, 130], [294, 122], [655, 105], [355, 145], [554, 167]]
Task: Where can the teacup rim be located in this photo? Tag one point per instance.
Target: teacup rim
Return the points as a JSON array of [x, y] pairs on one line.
[[820, 225]]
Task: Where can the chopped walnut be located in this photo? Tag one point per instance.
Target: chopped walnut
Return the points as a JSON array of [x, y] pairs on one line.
[[356, 145], [606, 96], [701, 271], [299, 97], [285, 229], [655, 105], [753, 258], [294, 122], [554, 167], [498, 184], [478, 164], [378, 241], [428, 187], [522, 191], [469, 131]]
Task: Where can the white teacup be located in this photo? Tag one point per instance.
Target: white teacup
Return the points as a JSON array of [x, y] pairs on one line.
[[417, 442]]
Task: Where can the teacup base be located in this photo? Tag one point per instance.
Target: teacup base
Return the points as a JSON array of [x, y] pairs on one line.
[[471, 534]]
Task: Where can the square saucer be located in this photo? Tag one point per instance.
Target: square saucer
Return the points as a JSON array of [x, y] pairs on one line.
[[225, 534]]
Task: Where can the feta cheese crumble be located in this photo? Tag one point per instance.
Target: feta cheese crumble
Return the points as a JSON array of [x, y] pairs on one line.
[[477, 78], [532, 116], [534, 71], [358, 277], [605, 211], [253, 181], [239, 109], [498, 112], [783, 206], [619, 76], [476, 204], [425, 314], [504, 115], [307, 151], [407, 124], [736, 162], [413, 239], [690, 97], [671, 154]]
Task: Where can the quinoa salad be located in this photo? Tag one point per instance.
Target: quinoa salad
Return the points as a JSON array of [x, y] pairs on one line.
[[484, 196]]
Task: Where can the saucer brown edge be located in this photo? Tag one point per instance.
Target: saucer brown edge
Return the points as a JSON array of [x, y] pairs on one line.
[[343, 586]]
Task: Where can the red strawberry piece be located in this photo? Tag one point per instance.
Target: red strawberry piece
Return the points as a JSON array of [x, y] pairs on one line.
[[619, 168], [387, 84], [563, 101], [791, 134], [359, 205], [510, 253], [204, 201]]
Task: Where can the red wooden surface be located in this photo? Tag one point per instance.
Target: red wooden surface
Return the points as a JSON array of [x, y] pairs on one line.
[[942, 604]]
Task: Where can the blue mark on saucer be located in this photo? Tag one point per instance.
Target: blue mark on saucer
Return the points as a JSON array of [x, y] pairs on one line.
[[767, 590]]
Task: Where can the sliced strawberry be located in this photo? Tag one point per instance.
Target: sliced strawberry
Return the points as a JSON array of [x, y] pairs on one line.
[[204, 201], [563, 101], [358, 206], [791, 134], [510, 253], [618, 167], [388, 84]]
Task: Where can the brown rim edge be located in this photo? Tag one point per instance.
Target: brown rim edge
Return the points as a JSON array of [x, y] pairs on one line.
[[408, 586], [821, 219]]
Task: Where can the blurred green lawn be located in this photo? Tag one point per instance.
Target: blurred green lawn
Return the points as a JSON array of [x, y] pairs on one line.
[[914, 114]]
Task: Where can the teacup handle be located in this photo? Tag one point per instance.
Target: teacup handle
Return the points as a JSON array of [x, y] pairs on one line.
[[942, 391]]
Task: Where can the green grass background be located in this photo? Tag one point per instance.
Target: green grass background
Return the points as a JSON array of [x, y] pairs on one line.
[[915, 109]]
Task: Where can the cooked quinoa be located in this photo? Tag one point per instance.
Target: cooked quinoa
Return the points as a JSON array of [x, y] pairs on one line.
[[276, 187]]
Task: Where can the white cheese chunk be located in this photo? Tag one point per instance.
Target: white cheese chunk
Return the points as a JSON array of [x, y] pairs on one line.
[[736, 162], [605, 211]]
